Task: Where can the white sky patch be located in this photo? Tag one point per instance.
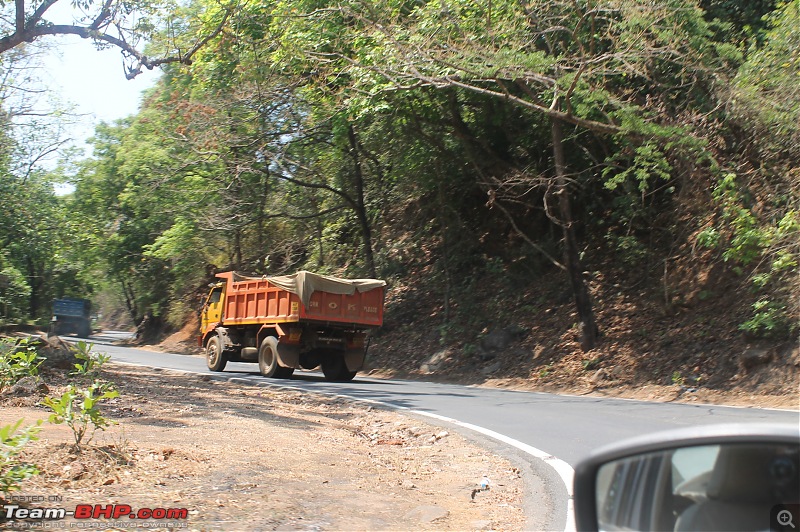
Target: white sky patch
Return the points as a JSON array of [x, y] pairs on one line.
[[92, 80]]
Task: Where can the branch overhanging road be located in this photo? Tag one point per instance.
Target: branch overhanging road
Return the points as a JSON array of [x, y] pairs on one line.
[[560, 429]]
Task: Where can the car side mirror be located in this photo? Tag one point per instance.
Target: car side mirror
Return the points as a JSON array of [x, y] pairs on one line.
[[721, 477]]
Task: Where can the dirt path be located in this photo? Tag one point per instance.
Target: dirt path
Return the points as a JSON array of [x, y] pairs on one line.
[[249, 458]]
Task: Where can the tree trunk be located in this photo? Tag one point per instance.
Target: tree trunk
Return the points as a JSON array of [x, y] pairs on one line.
[[35, 283], [261, 241], [237, 249], [360, 207], [583, 301], [130, 300]]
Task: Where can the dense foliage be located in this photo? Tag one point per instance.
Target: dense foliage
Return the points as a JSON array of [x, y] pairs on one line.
[[458, 139]]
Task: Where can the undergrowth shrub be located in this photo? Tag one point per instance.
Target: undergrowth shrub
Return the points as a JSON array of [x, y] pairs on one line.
[[13, 439], [17, 360], [79, 406]]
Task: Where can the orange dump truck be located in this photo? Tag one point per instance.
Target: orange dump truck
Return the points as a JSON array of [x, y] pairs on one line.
[[303, 320]]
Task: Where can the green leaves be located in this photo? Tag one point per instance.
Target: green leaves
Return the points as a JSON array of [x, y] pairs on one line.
[[17, 360], [90, 362], [649, 165], [769, 320], [79, 409], [766, 92], [79, 406], [13, 438]]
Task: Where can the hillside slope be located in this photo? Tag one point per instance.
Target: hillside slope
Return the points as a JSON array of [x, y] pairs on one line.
[[692, 352]]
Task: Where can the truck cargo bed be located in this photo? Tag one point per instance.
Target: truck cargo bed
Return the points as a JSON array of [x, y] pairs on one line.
[[254, 300]]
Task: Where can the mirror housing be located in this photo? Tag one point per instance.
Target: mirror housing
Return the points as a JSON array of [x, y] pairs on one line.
[[712, 477]]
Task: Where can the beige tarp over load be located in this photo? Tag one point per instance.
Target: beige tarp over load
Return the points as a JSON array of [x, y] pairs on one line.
[[305, 283]]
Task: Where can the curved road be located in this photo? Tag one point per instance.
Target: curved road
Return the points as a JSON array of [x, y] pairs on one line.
[[561, 426]]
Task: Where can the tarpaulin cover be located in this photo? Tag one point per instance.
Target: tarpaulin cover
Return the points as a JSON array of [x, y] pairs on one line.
[[304, 284]]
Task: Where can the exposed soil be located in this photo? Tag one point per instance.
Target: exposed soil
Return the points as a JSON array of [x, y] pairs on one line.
[[251, 458]]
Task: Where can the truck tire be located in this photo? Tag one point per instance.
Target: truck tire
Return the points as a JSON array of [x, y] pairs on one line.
[[335, 369], [268, 360], [215, 356]]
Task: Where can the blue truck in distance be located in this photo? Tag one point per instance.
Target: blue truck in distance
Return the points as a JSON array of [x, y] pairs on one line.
[[72, 316]]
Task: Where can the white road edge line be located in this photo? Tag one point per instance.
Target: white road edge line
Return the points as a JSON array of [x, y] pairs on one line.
[[563, 469]]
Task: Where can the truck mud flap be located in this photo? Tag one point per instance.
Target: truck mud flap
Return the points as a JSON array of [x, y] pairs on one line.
[[354, 358], [288, 355]]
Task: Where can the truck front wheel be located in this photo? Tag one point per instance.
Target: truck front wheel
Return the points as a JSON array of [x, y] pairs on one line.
[[335, 369], [268, 360], [215, 358]]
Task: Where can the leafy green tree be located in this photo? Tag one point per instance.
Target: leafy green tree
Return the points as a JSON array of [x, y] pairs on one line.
[[120, 214], [606, 69], [760, 202], [765, 91]]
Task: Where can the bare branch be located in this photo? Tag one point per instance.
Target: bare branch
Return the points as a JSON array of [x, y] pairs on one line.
[[36, 28], [494, 203]]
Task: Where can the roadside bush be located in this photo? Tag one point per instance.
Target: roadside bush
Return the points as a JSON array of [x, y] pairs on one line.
[[90, 363], [12, 441], [79, 406], [17, 360], [768, 321], [79, 409]]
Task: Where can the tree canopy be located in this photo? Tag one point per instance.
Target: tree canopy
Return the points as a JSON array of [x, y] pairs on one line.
[[456, 139]]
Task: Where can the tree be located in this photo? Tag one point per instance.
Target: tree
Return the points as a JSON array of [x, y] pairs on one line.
[[120, 214], [613, 69], [174, 34], [35, 249]]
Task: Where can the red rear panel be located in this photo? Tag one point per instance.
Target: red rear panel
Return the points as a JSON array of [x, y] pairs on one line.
[[362, 308]]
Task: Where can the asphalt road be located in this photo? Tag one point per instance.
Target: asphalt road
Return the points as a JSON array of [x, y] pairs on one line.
[[558, 429], [567, 427]]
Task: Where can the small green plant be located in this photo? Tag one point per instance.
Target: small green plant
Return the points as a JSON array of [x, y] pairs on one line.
[[629, 249], [12, 440], [90, 362], [708, 238], [17, 360], [79, 406], [79, 409], [545, 371], [590, 363], [495, 266], [677, 378], [705, 295], [768, 321]]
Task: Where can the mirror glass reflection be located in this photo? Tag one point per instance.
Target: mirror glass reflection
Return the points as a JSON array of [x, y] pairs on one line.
[[708, 488]]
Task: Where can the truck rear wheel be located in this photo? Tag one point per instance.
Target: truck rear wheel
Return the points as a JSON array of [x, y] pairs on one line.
[[215, 357], [268, 360], [335, 369]]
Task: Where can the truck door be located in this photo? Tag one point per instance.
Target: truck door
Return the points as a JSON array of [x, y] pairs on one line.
[[212, 310]]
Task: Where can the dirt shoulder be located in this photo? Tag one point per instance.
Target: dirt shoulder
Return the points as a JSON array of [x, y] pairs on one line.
[[256, 458]]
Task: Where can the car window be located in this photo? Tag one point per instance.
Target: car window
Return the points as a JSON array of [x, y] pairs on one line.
[[692, 463], [215, 296]]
